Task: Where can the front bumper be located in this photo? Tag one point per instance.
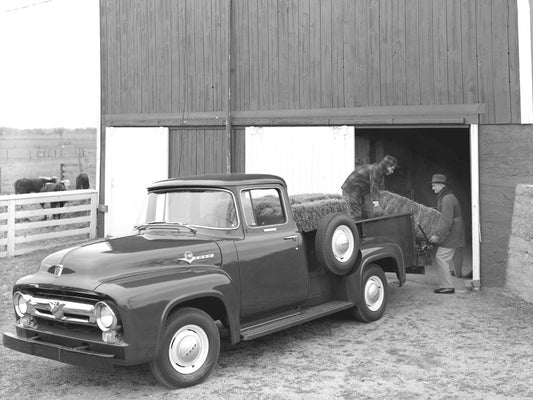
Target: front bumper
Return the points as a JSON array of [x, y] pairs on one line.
[[35, 345]]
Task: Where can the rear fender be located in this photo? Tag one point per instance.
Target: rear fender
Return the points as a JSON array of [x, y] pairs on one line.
[[388, 256]]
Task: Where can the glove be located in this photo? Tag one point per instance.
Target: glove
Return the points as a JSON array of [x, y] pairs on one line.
[[377, 210]]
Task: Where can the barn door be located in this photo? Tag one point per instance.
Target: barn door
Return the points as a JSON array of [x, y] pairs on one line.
[[198, 152], [134, 158], [310, 159]]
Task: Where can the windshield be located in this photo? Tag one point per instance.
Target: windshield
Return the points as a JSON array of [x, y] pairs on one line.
[[208, 208]]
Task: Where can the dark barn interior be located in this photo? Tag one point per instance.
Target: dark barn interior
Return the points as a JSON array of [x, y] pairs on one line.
[[422, 152]]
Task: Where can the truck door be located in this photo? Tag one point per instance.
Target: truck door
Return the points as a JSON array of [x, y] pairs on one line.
[[272, 260]]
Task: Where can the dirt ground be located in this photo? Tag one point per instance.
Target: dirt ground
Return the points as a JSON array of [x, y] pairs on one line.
[[473, 345]]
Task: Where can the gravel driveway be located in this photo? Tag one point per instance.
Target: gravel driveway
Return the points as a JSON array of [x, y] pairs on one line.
[[427, 346]]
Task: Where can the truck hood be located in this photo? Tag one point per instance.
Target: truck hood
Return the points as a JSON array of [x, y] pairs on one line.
[[88, 266]]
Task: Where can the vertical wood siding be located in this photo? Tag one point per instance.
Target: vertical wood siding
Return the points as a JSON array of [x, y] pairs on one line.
[[168, 56], [197, 152]]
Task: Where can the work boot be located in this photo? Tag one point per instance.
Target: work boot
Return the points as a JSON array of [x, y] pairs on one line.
[[444, 291]]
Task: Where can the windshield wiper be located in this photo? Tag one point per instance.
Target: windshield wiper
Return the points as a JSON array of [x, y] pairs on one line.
[[166, 223], [193, 230], [144, 226]]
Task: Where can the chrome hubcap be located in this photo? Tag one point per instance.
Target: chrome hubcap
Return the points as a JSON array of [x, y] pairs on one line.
[[188, 349], [342, 243], [374, 293]]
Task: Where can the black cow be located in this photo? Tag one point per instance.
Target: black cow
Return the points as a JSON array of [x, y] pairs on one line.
[[54, 187], [82, 181], [32, 185]]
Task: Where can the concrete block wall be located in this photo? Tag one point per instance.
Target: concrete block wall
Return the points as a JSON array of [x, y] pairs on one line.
[[519, 270], [506, 160]]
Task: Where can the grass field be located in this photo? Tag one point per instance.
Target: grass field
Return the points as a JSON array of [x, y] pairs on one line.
[[30, 153]]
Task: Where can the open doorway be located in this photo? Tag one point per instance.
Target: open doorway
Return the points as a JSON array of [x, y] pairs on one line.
[[126, 178], [318, 159], [422, 152]]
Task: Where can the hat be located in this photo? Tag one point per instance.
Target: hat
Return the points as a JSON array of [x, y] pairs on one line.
[[439, 178], [390, 161]]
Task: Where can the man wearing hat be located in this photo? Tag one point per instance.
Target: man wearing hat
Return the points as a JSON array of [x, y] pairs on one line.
[[450, 232], [366, 181]]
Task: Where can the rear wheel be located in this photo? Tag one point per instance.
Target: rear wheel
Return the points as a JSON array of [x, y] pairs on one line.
[[189, 349], [374, 294]]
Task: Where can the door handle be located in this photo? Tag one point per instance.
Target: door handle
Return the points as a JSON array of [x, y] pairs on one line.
[[292, 237]]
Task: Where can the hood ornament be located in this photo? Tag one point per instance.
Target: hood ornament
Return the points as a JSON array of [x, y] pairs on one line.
[[189, 257], [58, 270], [56, 308]]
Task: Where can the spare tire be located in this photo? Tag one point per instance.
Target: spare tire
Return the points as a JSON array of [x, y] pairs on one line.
[[337, 243]]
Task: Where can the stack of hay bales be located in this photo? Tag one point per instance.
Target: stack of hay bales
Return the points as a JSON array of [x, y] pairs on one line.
[[426, 217], [308, 209]]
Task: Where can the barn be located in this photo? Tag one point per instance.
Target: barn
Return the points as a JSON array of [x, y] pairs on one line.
[[309, 89]]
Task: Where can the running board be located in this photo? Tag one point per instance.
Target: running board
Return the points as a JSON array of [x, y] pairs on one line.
[[308, 314]]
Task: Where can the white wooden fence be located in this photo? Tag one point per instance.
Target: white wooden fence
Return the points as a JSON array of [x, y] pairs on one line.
[[25, 226]]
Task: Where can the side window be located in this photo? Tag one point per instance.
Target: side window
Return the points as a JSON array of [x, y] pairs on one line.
[[263, 207]]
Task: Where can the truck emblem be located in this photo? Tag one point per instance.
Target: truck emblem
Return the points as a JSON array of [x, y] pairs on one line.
[[58, 270], [56, 308], [189, 257]]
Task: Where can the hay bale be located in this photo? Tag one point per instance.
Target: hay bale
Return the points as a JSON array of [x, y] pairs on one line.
[[426, 217], [307, 209], [307, 214], [311, 197], [267, 205]]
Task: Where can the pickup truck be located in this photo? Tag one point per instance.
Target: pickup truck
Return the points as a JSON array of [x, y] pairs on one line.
[[210, 252]]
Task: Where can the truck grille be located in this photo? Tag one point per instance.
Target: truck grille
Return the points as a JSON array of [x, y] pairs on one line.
[[61, 310]]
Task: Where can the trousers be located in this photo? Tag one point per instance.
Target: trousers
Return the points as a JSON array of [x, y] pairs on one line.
[[358, 203], [458, 261], [444, 261]]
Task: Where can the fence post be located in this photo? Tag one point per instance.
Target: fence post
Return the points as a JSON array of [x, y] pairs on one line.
[[92, 223], [11, 228]]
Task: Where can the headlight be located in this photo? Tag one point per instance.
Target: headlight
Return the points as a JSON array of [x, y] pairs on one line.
[[105, 316], [21, 306]]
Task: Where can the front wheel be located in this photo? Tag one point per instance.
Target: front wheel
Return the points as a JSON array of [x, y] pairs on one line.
[[189, 349], [374, 292]]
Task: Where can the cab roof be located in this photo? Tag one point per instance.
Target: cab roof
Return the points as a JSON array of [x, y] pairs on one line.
[[217, 180]]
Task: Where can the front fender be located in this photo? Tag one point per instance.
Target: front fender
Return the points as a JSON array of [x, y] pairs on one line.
[[222, 290], [144, 304]]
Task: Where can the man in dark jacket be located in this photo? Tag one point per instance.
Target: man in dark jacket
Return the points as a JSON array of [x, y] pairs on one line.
[[366, 181], [450, 233]]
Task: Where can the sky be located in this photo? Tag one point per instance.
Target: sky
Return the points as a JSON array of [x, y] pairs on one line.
[[49, 63]]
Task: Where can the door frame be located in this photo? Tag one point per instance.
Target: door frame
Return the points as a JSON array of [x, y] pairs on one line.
[[476, 223]]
